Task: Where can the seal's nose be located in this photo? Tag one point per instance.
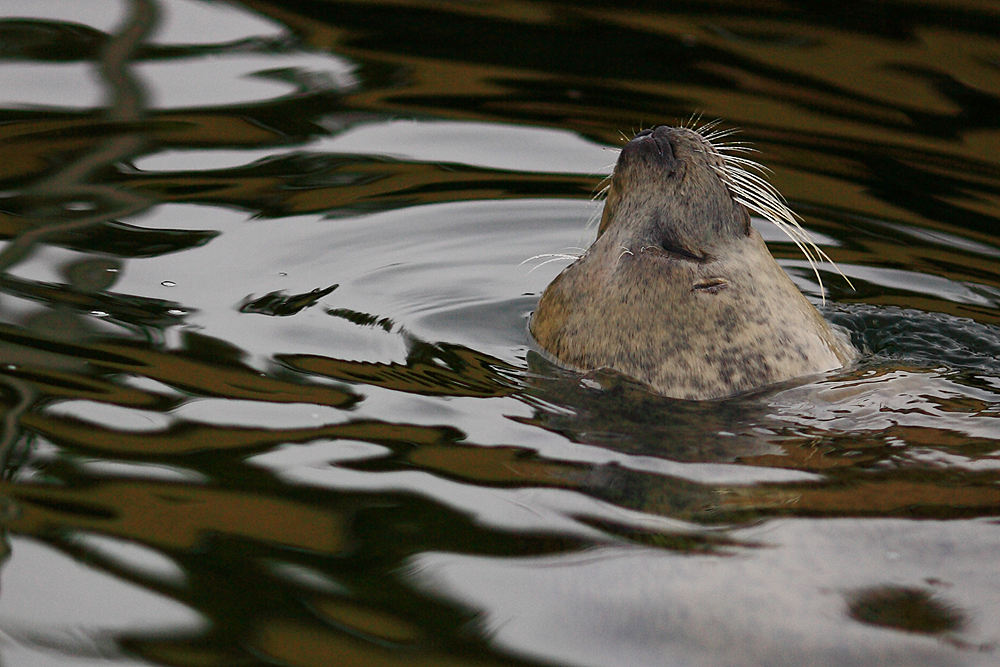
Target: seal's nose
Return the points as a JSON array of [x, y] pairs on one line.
[[661, 136], [655, 143]]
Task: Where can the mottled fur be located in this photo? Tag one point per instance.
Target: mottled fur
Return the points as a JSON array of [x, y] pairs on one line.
[[679, 291]]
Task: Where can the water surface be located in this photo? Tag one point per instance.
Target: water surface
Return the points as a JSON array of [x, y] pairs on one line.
[[268, 394]]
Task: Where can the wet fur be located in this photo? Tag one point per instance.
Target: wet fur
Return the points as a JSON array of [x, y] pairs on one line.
[[679, 291]]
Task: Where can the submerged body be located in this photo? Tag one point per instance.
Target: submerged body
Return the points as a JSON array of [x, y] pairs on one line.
[[679, 291]]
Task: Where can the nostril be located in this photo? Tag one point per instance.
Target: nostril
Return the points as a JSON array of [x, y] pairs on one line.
[[643, 133], [664, 146]]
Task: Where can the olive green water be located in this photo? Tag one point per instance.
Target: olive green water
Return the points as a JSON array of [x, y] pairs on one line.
[[268, 396]]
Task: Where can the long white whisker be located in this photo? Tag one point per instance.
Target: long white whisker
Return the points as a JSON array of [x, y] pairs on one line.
[[747, 163], [707, 127], [693, 120], [719, 134], [748, 185], [549, 258]]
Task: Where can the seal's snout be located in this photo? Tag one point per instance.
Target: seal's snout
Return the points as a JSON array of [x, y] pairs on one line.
[[654, 144]]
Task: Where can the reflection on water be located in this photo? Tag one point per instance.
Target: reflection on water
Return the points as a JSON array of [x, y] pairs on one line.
[[912, 610], [268, 394]]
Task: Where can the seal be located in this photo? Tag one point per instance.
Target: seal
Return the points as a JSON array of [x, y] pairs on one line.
[[679, 291]]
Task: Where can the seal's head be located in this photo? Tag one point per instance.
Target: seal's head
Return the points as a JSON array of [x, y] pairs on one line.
[[679, 291]]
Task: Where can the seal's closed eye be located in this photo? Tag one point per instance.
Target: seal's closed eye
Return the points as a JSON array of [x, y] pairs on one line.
[[711, 285], [675, 197], [682, 253]]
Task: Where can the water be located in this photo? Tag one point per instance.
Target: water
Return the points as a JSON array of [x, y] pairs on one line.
[[268, 395]]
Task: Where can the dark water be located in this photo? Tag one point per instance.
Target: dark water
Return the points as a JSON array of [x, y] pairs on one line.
[[267, 392]]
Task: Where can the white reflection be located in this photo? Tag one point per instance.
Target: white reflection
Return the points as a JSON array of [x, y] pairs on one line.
[[103, 15], [307, 577], [239, 78], [258, 414], [937, 237], [203, 159], [64, 85], [492, 145], [149, 385], [46, 593], [317, 455], [111, 416], [778, 604], [140, 559], [192, 81], [771, 233], [123, 469], [910, 281], [186, 22]]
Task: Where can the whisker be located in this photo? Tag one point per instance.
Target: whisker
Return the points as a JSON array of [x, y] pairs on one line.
[[549, 258], [755, 192], [625, 251], [707, 128], [719, 134], [747, 163], [693, 120], [735, 148]]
